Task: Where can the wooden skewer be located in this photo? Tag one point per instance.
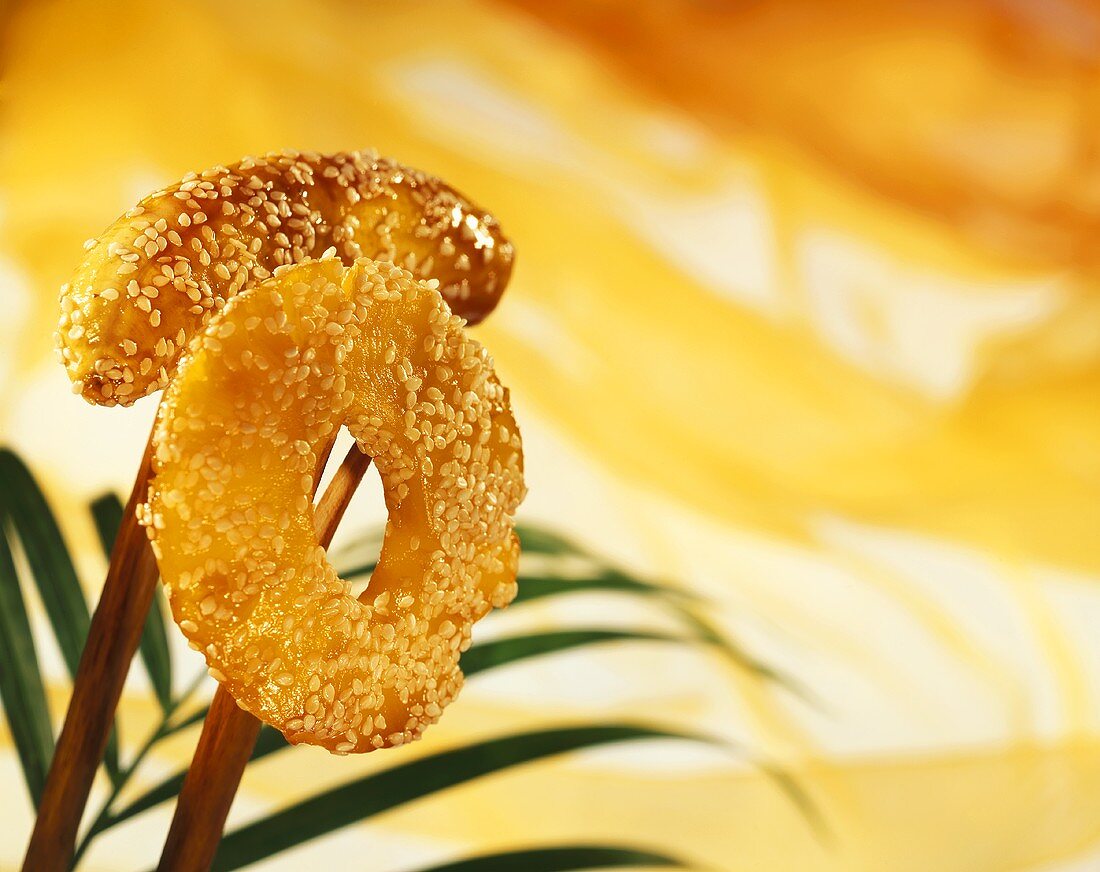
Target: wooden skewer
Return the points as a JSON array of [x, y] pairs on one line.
[[113, 637], [228, 736], [229, 733]]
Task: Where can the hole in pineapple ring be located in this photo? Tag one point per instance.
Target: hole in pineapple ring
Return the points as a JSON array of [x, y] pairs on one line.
[[258, 398], [357, 543]]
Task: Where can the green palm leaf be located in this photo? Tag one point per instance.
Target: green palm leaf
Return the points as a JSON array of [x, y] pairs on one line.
[[406, 782], [533, 540], [384, 790], [534, 586], [539, 540], [167, 789], [564, 858], [21, 688], [499, 652], [537, 585], [155, 655], [24, 512], [683, 603], [357, 570], [24, 507], [479, 658]]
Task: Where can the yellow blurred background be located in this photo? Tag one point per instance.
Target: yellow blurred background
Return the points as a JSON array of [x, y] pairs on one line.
[[805, 317]]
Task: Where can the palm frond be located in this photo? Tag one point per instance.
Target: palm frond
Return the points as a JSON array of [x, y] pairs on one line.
[[510, 649], [25, 509], [26, 515], [406, 782], [485, 656], [244, 846], [560, 858], [21, 688]]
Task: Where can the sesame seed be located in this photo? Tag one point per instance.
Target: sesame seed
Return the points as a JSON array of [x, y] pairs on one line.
[[366, 195], [255, 590]]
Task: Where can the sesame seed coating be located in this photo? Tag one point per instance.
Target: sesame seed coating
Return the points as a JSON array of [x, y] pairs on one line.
[[259, 397], [152, 279]]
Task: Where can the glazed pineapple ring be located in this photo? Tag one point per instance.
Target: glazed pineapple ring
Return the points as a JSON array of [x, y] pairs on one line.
[[154, 277], [261, 392]]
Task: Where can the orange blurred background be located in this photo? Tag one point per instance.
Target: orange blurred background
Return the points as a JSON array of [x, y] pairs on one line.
[[805, 317]]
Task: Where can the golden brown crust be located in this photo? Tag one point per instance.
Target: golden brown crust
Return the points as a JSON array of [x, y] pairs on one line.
[[155, 276], [258, 398]]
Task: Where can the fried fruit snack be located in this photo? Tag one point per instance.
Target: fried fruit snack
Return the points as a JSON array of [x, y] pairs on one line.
[[152, 279], [259, 396]]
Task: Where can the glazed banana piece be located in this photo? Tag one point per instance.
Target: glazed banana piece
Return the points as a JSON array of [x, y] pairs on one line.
[[154, 278]]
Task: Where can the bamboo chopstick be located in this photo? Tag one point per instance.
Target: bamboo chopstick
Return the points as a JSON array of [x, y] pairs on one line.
[[229, 733], [113, 637]]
